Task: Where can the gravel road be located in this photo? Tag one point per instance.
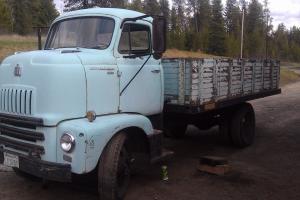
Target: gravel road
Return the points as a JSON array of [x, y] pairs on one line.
[[270, 169]]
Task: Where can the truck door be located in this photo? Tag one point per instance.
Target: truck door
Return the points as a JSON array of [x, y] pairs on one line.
[[141, 77]]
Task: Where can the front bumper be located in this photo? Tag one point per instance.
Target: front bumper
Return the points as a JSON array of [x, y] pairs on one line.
[[42, 169]]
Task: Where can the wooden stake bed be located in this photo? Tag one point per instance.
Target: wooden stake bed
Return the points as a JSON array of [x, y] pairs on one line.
[[200, 85]]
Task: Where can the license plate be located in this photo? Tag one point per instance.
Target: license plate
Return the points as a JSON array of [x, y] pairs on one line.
[[11, 160]]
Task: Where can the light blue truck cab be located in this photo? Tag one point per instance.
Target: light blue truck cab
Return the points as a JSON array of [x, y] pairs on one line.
[[85, 102]]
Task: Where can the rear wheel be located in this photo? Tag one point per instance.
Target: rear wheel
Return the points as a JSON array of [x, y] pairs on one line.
[[243, 126], [114, 169]]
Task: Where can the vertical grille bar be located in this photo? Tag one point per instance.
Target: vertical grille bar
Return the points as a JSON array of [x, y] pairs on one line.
[[20, 101], [25, 102], [30, 102], [11, 100], [1, 106], [5, 100], [17, 101]]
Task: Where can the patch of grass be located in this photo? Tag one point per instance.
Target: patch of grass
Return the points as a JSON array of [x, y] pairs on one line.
[[13, 43], [288, 76], [290, 64], [9, 44], [175, 53]]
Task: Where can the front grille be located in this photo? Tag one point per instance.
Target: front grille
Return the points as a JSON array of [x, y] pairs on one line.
[[19, 133], [22, 146], [18, 101]]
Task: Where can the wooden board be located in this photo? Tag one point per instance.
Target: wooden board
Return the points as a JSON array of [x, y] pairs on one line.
[[197, 82]]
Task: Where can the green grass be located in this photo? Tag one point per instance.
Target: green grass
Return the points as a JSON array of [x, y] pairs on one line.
[[290, 64], [287, 76], [9, 44]]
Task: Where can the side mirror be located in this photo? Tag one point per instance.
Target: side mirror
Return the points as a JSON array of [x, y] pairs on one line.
[[159, 36]]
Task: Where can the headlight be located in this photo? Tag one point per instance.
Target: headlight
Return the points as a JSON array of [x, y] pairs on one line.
[[67, 142]]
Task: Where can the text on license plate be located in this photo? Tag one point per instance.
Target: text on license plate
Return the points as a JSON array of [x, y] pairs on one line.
[[11, 160]]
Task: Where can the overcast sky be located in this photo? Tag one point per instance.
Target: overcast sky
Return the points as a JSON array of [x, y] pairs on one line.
[[286, 11]]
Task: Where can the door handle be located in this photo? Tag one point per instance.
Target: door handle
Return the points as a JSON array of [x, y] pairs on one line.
[[156, 71]]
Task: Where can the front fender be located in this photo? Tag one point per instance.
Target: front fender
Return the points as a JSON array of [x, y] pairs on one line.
[[92, 137]]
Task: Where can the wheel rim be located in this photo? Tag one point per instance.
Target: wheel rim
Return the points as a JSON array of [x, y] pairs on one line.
[[123, 174]]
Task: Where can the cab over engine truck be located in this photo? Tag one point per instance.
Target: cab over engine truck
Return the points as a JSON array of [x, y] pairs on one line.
[[98, 96]]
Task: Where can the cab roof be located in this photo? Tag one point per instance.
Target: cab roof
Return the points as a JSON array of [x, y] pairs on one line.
[[117, 12]]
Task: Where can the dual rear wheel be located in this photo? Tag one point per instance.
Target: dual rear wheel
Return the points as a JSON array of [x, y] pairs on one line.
[[238, 127]]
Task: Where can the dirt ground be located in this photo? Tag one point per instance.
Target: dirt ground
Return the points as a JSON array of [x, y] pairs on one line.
[[270, 169]]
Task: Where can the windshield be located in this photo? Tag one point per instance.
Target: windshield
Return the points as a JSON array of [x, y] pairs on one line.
[[88, 32]]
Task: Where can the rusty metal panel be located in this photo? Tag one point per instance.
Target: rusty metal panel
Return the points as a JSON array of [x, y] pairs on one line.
[[202, 81]]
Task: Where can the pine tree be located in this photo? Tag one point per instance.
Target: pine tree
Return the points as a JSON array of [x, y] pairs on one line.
[[71, 5], [48, 13], [118, 3], [164, 9], [179, 5], [268, 25], [178, 24], [204, 19], [282, 43], [217, 34], [151, 7], [5, 17], [254, 28], [136, 5], [233, 27], [192, 10], [232, 17], [21, 15], [77, 4], [29, 13], [193, 34]]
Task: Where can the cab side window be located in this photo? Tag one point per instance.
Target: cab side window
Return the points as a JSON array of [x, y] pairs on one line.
[[135, 39]]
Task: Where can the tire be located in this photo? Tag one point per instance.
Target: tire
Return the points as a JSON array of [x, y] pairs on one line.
[[114, 169], [175, 131], [243, 126], [25, 175]]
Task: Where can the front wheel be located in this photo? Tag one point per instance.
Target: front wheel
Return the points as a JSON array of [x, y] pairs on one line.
[[114, 169]]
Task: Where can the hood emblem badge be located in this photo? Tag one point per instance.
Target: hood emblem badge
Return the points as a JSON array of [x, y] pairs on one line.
[[18, 70]]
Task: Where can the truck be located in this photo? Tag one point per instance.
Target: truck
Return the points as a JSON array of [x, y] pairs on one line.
[[99, 98]]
